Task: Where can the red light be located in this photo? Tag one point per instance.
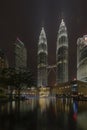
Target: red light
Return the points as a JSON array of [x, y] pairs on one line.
[[75, 116]]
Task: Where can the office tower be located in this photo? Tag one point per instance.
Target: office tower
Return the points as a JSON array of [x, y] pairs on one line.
[[62, 54], [20, 55], [42, 59], [82, 58]]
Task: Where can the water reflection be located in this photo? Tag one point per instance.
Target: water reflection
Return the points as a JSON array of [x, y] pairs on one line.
[[43, 114], [75, 109], [43, 104]]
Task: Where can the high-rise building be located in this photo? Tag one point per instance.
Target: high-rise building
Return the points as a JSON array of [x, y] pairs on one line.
[[42, 59], [20, 55], [62, 54], [82, 58]]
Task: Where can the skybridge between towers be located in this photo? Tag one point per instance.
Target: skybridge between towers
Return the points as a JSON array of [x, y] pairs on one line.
[[51, 68]]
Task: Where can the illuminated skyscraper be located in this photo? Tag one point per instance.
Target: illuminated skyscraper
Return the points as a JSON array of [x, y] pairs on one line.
[[62, 54], [82, 58], [42, 59], [20, 55]]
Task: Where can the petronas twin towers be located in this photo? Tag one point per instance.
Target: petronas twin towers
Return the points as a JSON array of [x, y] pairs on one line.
[[42, 59], [61, 57]]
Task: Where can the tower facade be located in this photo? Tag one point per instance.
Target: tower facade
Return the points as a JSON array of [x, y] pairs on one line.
[[42, 59], [82, 58], [62, 54], [20, 55]]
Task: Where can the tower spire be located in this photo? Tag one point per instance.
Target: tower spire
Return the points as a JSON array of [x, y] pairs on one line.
[[62, 22]]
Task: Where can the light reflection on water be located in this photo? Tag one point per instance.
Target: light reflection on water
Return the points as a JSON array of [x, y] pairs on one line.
[[43, 114]]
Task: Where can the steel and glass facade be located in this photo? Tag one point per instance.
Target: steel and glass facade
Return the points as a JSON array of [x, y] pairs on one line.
[[62, 54], [42, 59], [20, 55], [82, 58]]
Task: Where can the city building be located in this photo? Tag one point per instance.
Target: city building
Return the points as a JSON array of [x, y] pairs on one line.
[[82, 58], [3, 60], [70, 89], [62, 54], [42, 59], [20, 55]]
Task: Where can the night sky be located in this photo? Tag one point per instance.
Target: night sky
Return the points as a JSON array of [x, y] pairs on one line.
[[24, 19]]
